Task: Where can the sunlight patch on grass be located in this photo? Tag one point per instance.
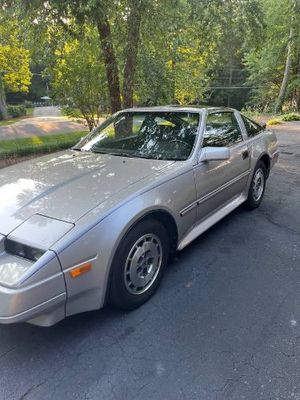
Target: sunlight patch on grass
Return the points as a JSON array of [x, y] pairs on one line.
[[36, 140]]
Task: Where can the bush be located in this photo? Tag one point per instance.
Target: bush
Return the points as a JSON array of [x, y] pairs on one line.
[[69, 111], [291, 117], [28, 104], [16, 111], [274, 121]]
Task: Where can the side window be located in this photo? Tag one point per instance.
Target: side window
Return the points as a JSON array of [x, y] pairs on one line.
[[251, 127], [222, 130]]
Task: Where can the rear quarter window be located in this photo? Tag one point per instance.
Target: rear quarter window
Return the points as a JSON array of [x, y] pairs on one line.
[[252, 127]]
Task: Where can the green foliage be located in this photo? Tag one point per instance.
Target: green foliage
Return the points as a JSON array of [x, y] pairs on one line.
[[274, 121], [27, 104], [78, 76], [266, 60], [230, 27], [16, 111], [14, 58], [188, 51], [173, 58], [291, 117], [71, 112]]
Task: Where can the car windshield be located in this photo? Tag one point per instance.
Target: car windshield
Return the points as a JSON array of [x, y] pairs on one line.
[[154, 135]]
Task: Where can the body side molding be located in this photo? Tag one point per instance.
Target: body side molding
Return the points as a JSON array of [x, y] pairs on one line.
[[205, 224]]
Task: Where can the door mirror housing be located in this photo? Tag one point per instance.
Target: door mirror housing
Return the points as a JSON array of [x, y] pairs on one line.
[[214, 154]]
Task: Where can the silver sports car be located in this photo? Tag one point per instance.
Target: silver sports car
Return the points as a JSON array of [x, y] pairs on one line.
[[97, 223]]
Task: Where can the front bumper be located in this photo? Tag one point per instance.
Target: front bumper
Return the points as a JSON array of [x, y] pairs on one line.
[[45, 313], [31, 292]]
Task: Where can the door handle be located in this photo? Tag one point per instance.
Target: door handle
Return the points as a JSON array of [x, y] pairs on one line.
[[245, 154]]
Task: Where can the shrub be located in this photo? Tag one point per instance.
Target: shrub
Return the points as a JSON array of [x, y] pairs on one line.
[[274, 121], [291, 117], [71, 112], [16, 111], [28, 104]]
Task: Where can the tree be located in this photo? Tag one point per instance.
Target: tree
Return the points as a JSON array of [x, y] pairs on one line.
[[78, 76], [154, 52], [288, 62], [230, 27], [131, 51], [110, 59], [15, 74], [174, 57], [273, 63], [100, 13]]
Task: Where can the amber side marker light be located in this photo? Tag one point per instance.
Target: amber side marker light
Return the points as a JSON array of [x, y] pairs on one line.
[[82, 269]]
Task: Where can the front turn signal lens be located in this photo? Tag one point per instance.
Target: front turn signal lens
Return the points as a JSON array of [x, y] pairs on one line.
[[81, 269]]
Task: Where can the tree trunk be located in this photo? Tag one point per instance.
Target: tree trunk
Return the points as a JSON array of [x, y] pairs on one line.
[[229, 84], [131, 52], [286, 75], [297, 89], [3, 108], [111, 64]]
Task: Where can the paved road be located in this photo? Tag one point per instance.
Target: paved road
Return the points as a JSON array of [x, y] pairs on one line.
[[49, 111], [225, 325], [45, 121]]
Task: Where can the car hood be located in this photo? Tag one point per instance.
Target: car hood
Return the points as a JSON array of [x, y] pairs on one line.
[[67, 185]]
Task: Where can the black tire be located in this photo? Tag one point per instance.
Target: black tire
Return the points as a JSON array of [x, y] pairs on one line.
[[253, 201], [122, 291]]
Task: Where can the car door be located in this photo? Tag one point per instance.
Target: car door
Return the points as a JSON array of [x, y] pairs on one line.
[[218, 182]]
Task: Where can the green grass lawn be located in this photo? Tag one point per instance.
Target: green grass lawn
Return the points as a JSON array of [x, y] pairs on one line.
[[29, 113], [38, 144]]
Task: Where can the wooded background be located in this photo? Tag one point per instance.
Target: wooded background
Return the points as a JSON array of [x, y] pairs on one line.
[[100, 56]]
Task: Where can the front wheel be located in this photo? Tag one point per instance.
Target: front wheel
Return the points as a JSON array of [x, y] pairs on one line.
[[139, 264], [257, 186]]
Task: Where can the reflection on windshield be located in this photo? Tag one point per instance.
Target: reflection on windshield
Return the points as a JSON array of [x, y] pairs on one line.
[[155, 135]]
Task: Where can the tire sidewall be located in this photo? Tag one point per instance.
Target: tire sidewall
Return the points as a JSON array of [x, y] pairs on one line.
[[251, 201], [119, 295]]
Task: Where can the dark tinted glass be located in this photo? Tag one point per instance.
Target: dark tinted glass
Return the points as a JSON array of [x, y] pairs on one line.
[[251, 127], [222, 130]]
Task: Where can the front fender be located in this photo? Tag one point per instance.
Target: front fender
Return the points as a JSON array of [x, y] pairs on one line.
[[99, 243]]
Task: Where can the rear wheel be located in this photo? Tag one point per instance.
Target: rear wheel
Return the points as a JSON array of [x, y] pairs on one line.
[[139, 264], [257, 186]]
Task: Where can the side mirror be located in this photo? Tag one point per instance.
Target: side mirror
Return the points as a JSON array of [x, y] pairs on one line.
[[214, 154]]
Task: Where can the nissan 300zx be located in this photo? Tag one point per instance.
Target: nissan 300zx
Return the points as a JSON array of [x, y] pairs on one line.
[[97, 223]]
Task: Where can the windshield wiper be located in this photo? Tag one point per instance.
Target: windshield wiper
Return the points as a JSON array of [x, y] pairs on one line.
[[98, 151], [121, 153]]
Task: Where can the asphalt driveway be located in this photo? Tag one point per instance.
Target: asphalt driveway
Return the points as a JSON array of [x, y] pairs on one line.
[[225, 323]]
